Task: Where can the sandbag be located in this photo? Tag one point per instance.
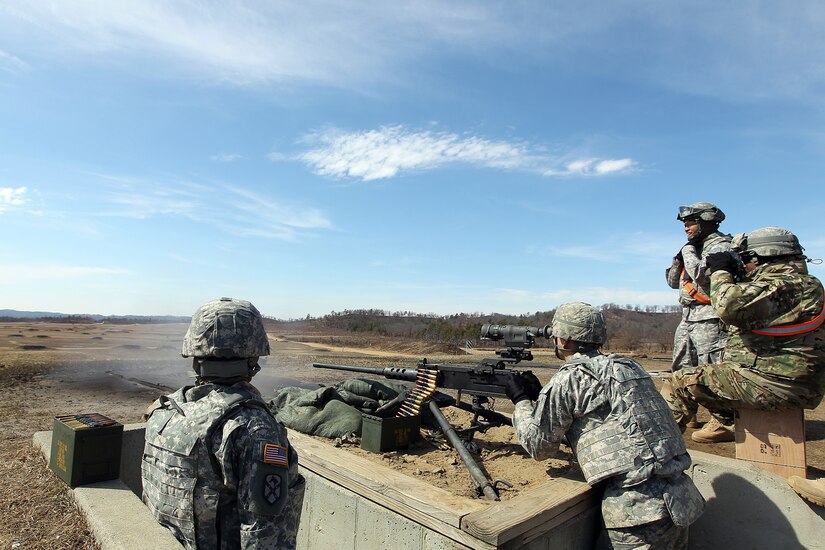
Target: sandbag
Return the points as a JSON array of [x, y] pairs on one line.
[[331, 411]]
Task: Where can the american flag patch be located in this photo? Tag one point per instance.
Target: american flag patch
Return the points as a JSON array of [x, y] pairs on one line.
[[275, 454]]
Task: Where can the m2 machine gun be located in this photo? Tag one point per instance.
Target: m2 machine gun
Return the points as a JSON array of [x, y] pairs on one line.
[[482, 381]]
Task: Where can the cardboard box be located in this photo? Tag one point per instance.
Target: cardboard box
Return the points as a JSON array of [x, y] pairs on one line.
[[773, 440]]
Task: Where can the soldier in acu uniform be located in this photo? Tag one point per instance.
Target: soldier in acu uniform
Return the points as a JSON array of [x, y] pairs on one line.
[[700, 337], [619, 428], [775, 356], [217, 468]]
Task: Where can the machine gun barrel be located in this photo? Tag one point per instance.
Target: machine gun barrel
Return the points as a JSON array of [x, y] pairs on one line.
[[393, 373]]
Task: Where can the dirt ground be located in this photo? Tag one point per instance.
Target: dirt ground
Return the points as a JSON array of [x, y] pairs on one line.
[[47, 369]]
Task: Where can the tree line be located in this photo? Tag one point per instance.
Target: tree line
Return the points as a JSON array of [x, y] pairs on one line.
[[633, 328]]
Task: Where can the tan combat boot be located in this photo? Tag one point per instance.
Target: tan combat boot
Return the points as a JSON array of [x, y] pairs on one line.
[[693, 423], [713, 432], [809, 489]]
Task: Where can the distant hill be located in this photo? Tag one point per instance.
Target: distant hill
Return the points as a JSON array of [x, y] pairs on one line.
[[17, 315], [35, 314]]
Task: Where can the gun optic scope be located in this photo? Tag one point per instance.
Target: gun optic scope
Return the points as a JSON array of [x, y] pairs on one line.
[[514, 335]]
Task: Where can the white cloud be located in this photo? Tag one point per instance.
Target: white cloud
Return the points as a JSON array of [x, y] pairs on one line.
[[592, 167], [775, 51], [12, 196], [12, 64], [247, 41], [226, 157], [233, 209], [592, 295], [613, 249], [610, 166], [390, 150], [273, 216], [383, 153]]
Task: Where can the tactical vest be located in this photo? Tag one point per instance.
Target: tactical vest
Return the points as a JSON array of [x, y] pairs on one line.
[[174, 434], [638, 430]]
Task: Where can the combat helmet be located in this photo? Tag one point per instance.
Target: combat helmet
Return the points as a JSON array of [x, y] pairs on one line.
[[767, 242], [579, 322], [226, 329], [703, 211]]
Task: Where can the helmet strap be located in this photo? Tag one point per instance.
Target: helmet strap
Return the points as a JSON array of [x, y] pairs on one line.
[[563, 351], [570, 347], [230, 368]]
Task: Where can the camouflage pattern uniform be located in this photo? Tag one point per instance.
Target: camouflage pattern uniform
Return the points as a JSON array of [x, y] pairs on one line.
[[217, 467], [760, 372], [622, 433], [700, 337], [206, 474]]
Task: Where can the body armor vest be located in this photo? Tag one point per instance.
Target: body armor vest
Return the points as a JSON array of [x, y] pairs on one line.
[[178, 433], [633, 426]]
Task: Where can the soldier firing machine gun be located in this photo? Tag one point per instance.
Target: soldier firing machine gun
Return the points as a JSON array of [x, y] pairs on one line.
[[483, 381]]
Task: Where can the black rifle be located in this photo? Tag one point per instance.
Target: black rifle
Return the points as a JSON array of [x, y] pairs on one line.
[[482, 381]]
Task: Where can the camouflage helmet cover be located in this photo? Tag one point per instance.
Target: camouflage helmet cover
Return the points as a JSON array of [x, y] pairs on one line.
[[226, 328], [767, 242], [705, 211], [579, 322]]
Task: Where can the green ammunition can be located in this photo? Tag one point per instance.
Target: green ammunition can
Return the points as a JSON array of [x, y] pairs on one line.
[[389, 434], [85, 448]]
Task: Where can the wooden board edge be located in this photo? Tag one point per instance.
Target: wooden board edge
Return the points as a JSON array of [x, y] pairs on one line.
[[536, 511], [384, 485]]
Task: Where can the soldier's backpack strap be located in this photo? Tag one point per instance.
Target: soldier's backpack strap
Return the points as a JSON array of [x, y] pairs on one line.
[[693, 291]]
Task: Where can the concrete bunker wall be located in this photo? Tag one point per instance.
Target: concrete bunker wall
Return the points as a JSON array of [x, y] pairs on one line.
[[351, 502]]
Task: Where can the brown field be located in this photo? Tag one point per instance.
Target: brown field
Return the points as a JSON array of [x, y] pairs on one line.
[[48, 369]]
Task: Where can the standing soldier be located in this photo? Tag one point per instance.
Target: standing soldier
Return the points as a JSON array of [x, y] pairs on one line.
[[700, 337], [217, 468], [775, 357], [620, 429]]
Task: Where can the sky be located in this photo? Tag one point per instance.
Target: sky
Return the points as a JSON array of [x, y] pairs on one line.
[[426, 156]]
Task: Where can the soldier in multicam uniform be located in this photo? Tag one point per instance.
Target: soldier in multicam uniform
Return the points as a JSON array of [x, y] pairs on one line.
[[620, 430], [775, 356], [700, 337], [217, 468]]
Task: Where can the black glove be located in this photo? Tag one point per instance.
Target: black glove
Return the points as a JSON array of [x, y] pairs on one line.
[[721, 261], [522, 386], [533, 386], [678, 257]]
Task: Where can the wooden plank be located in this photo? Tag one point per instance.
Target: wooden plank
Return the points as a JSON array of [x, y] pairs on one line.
[[537, 531], [531, 514], [773, 440], [429, 506]]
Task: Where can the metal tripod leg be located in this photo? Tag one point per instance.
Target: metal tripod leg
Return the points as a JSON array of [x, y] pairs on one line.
[[480, 480]]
